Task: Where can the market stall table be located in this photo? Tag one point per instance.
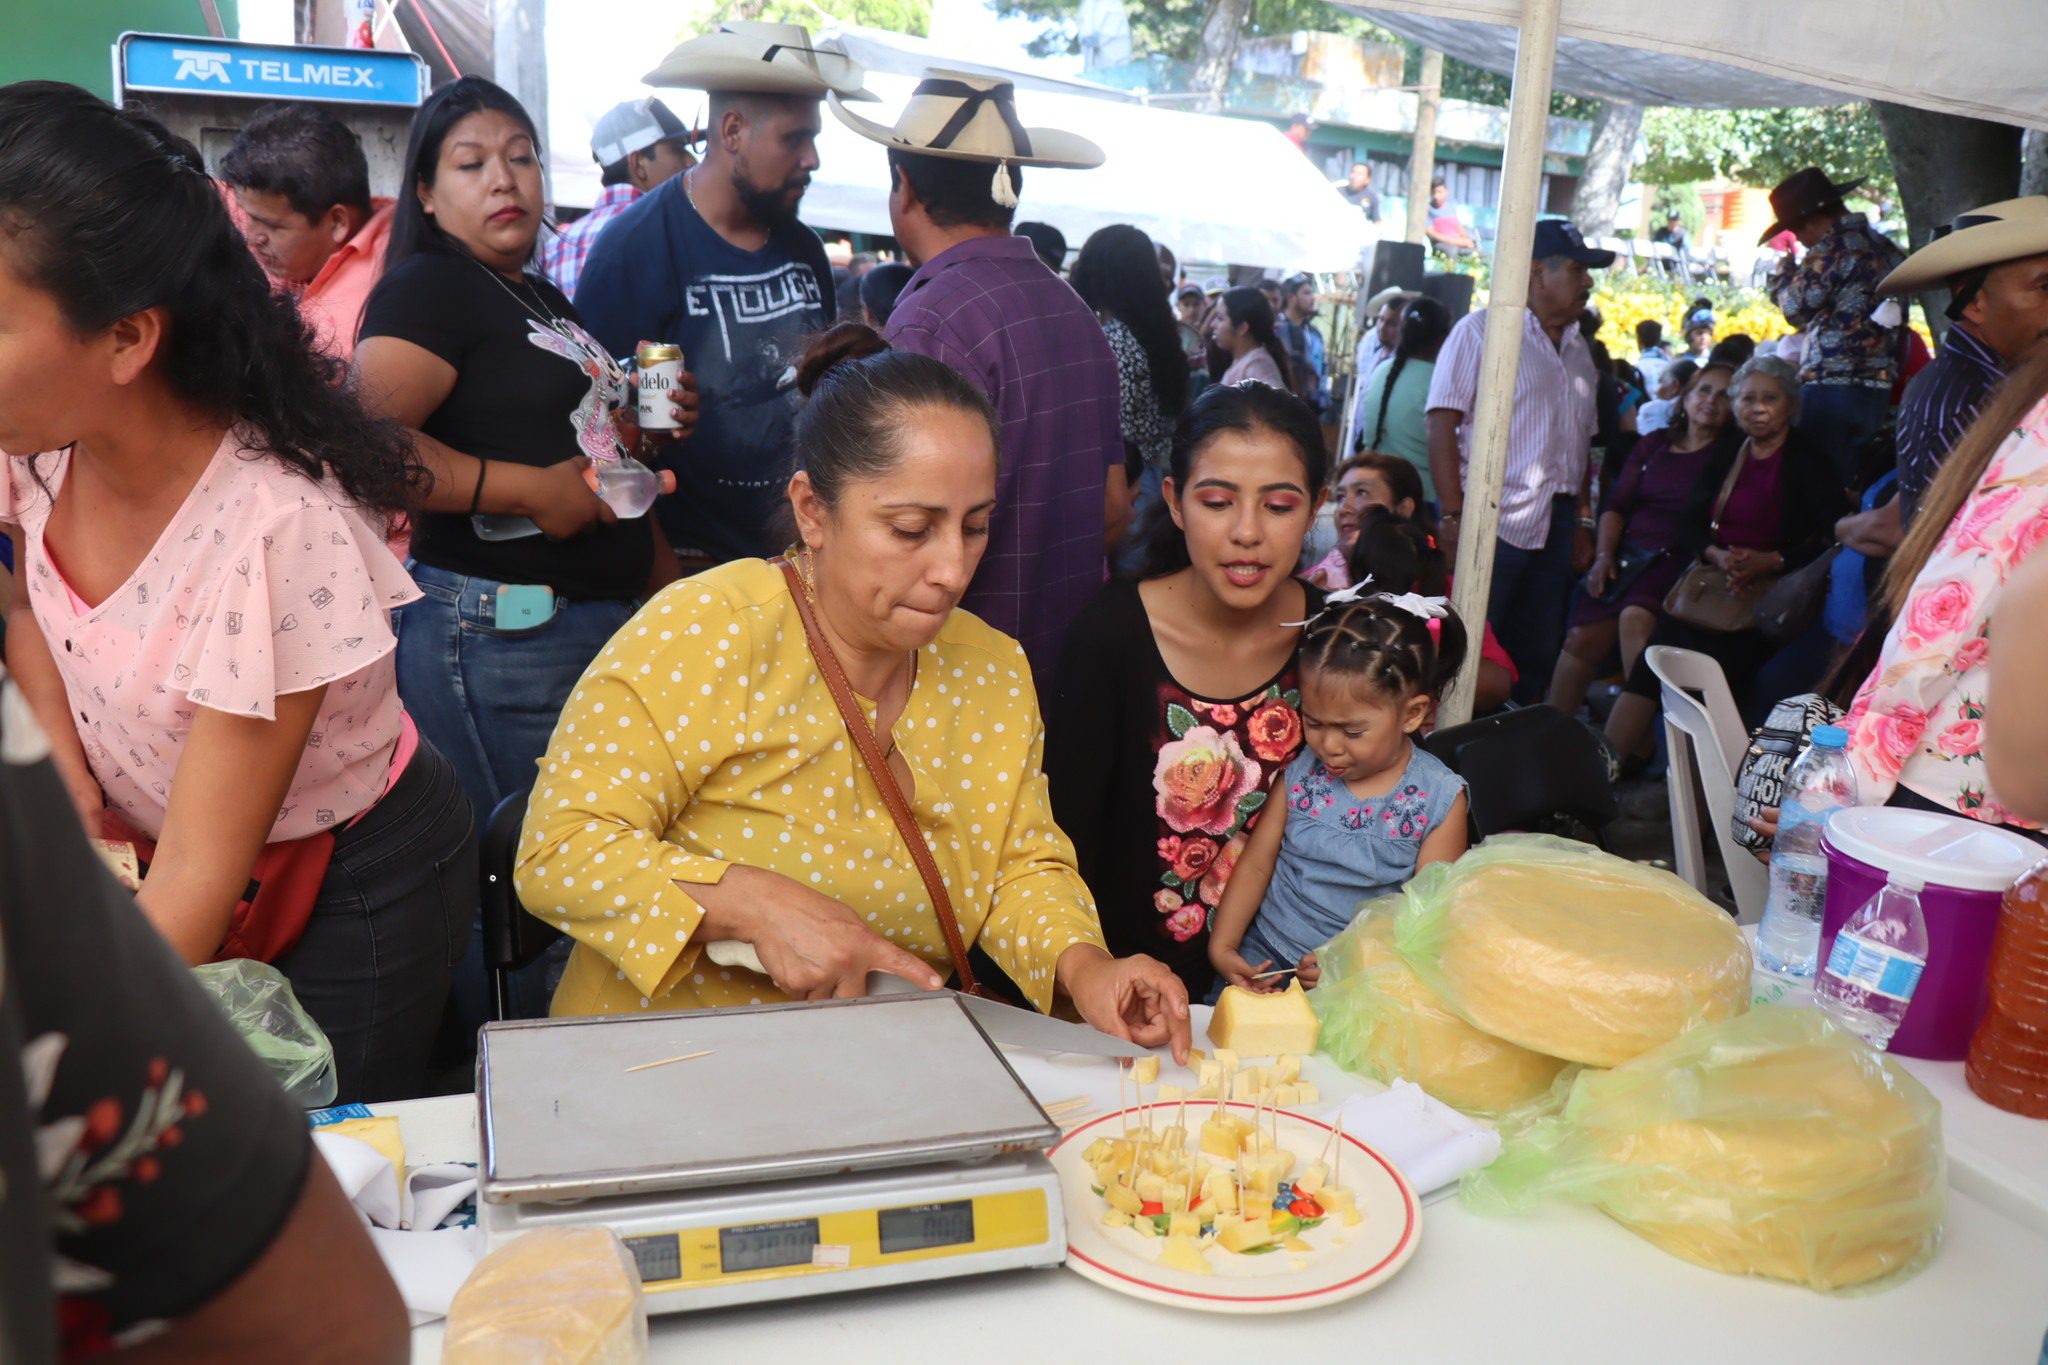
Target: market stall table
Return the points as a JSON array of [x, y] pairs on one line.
[[1561, 1283]]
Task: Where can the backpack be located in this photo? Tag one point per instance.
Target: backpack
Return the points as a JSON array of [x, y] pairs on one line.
[[1773, 748]]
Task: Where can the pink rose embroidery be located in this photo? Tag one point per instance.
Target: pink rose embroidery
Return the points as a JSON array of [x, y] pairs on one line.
[[1276, 732], [1220, 870], [1186, 922], [1970, 655], [1938, 612], [1166, 902], [1224, 716], [1169, 848], [2027, 537], [1200, 778], [1193, 859], [1963, 740], [1897, 733], [1974, 531]]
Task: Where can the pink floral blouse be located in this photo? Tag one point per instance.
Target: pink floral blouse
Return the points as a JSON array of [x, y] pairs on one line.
[[1919, 720], [264, 584]]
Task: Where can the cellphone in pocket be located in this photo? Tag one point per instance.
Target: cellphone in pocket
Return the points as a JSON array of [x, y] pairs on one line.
[[521, 606]]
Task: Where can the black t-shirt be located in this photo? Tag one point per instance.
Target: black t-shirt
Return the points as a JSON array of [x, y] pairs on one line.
[[659, 272], [170, 1160], [1158, 786], [530, 388]]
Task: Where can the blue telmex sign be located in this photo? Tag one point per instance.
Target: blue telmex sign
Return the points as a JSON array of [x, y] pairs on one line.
[[174, 64]]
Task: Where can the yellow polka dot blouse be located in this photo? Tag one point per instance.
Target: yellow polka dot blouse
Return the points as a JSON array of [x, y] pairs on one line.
[[703, 737]]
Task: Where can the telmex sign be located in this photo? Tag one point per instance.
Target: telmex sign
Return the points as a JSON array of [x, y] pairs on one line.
[[179, 64]]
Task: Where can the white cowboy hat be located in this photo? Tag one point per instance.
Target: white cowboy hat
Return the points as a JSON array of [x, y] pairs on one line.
[[964, 117], [748, 57], [1992, 235]]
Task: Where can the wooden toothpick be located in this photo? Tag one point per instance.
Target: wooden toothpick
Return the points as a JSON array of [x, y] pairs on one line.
[[687, 1056]]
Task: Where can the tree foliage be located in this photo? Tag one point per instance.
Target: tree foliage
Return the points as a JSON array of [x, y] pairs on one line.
[[897, 16], [1762, 146]]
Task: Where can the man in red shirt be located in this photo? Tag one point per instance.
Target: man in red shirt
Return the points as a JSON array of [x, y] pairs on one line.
[[298, 174]]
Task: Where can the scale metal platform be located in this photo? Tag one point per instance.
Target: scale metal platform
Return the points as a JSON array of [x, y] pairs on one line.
[[814, 1149]]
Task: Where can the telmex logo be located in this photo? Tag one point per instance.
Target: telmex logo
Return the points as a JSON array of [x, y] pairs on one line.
[[200, 64]]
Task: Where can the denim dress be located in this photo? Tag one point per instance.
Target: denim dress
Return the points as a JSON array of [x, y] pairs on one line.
[[1339, 852]]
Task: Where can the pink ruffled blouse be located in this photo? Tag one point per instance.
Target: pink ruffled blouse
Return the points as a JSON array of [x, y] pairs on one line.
[[265, 583]]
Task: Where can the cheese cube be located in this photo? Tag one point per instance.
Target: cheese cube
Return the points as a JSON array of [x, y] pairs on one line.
[[1210, 1074], [1311, 1179], [1150, 1186], [1183, 1253], [560, 1294], [1244, 1236], [1226, 1057], [1145, 1227], [1287, 1067], [1263, 1025], [1219, 1137], [1183, 1224], [1115, 1218], [1145, 1070], [1123, 1198]]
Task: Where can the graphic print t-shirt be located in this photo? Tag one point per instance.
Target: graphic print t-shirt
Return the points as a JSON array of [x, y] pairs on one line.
[[530, 388], [661, 273]]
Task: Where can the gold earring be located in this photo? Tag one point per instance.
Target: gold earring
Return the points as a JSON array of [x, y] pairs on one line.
[[806, 569]]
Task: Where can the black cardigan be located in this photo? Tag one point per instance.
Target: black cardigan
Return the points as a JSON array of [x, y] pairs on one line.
[[1814, 500]]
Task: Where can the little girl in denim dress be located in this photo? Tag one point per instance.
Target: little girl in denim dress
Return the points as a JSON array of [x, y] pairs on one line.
[[1363, 805]]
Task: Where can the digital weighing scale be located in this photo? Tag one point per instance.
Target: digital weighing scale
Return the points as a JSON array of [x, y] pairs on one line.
[[814, 1149]]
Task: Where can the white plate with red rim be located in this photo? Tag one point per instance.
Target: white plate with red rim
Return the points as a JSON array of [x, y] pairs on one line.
[[1342, 1262]]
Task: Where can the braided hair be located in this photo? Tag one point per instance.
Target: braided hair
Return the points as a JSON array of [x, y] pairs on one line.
[[1387, 648]]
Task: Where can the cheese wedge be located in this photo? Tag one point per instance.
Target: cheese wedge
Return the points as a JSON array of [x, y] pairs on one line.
[[1263, 1025], [380, 1132]]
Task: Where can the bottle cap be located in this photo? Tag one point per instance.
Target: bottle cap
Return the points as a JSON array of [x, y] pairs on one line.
[[1830, 737]]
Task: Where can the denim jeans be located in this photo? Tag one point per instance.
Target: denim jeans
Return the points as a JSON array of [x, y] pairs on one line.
[[391, 921], [1528, 602], [489, 699], [1841, 419]]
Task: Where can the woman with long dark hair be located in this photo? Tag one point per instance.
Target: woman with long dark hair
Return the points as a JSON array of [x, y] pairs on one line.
[[200, 508], [1175, 701], [508, 398], [1393, 405], [1245, 333]]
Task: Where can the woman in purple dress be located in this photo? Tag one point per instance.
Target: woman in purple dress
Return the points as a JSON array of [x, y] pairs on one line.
[[1641, 521]]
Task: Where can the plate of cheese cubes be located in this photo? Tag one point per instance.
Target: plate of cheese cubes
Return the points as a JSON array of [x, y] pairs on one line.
[[1220, 1199]]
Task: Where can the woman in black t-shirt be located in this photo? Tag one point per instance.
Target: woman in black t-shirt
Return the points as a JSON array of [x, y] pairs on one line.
[[509, 397], [1175, 703]]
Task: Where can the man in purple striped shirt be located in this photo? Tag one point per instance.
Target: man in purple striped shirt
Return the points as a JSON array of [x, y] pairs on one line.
[[1546, 510]]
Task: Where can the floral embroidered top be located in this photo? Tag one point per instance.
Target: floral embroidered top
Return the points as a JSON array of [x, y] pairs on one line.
[[1831, 295], [1339, 851], [1918, 721], [1159, 787]]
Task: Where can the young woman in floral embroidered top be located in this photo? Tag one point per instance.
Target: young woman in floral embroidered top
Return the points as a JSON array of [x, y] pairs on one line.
[[1175, 703]]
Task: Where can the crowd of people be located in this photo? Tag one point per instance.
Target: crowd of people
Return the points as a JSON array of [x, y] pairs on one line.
[[978, 634]]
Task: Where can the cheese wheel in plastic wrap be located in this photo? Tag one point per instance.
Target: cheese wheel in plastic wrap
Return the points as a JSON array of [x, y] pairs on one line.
[[1773, 1144], [558, 1296], [1571, 952], [1380, 1020]]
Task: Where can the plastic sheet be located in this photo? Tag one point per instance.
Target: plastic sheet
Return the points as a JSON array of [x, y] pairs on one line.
[[1773, 1144], [259, 1003], [1562, 949], [1380, 1020], [558, 1296]]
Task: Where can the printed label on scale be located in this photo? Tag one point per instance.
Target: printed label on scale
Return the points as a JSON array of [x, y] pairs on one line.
[[1878, 968]]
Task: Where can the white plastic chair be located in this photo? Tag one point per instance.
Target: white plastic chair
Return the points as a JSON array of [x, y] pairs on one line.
[[1706, 742]]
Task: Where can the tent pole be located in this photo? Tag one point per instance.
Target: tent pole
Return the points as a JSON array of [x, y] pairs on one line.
[[1521, 182]]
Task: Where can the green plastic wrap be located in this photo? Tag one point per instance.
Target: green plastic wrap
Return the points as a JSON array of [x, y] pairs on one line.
[[1773, 1144], [259, 1002], [1380, 1020], [1567, 951]]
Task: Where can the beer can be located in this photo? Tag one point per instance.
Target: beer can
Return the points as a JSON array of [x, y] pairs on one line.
[[661, 375]]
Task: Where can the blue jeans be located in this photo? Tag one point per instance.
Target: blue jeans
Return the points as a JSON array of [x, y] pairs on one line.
[[1529, 599], [1841, 419], [489, 699]]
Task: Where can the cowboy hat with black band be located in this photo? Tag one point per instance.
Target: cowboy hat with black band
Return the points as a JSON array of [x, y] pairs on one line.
[[1963, 252], [964, 117], [746, 57], [1801, 195]]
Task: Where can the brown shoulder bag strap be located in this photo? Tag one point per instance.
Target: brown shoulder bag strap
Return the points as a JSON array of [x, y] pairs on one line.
[[878, 767]]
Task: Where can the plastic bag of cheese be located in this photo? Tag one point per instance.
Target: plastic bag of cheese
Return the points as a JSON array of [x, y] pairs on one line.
[[1380, 1020], [1567, 951], [1773, 1144], [559, 1296]]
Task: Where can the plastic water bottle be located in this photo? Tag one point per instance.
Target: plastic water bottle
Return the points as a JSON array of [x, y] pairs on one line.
[[625, 485], [1876, 962], [1788, 937]]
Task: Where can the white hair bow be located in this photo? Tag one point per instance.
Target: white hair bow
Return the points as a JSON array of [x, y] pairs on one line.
[[1415, 604], [1342, 597]]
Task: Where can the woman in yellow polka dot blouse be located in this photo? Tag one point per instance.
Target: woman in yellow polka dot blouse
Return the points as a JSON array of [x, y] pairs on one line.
[[702, 786]]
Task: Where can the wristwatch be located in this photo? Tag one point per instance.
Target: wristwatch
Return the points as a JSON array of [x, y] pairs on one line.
[[1588, 524]]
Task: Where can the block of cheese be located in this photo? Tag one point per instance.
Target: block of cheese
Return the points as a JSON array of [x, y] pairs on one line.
[[1772, 1144], [1380, 1020], [1145, 1070], [1564, 950], [381, 1132], [560, 1296], [1254, 1025]]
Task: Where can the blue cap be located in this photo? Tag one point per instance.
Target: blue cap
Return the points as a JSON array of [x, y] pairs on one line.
[[1831, 736], [1559, 237]]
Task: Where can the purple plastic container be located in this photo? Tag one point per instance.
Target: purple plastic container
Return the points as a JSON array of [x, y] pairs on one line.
[[1967, 866]]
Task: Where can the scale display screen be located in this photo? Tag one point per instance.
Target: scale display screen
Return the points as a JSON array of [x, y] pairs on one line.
[[923, 1226], [658, 1258], [766, 1246]]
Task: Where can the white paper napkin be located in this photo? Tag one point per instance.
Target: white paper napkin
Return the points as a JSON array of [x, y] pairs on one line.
[[428, 1262], [1432, 1143]]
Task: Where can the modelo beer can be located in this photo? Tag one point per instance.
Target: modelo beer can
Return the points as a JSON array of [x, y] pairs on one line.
[[661, 376]]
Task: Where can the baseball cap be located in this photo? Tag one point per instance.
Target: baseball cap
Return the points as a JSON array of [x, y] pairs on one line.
[[632, 127], [1556, 237]]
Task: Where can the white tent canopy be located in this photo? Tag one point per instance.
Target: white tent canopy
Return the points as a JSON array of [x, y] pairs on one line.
[[1981, 58]]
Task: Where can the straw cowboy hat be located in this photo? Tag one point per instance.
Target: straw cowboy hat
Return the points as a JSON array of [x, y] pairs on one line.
[[748, 57], [1997, 233], [1800, 194], [965, 117]]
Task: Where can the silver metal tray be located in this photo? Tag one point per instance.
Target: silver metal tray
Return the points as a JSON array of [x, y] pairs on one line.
[[787, 1091]]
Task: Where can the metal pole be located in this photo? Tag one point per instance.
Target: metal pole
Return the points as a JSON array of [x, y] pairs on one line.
[[1521, 181], [1422, 156]]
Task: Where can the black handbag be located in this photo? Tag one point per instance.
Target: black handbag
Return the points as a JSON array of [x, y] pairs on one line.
[[1630, 563], [1796, 599], [1773, 748]]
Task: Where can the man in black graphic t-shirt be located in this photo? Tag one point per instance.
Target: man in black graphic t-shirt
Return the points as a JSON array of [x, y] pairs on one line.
[[716, 261]]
